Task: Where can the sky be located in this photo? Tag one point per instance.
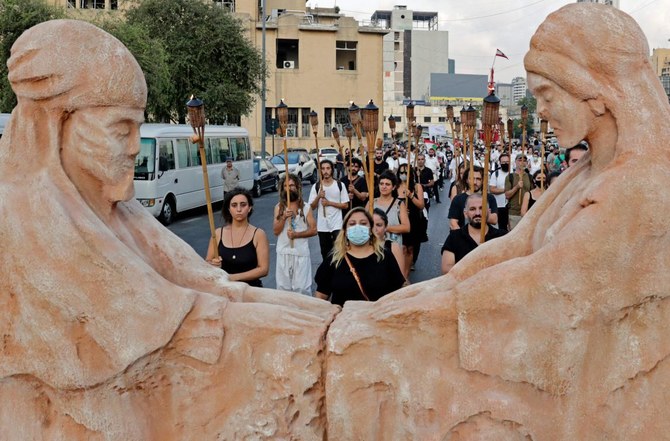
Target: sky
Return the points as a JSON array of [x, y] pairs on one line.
[[478, 27]]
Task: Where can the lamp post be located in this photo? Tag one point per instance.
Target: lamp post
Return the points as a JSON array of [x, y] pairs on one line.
[[418, 131], [314, 122], [470, 124], [544, 125], [355, 119], [524, 123], [457, 127], [371, 126], [196, 116], [336, 136], [490, 119], [450, 119], [392, 128], [409, 116], [282, 116]]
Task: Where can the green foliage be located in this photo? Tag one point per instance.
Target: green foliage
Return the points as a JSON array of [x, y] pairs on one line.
[[15, 17], [529, 102], [518, 128], [207, 54], [152, 58]]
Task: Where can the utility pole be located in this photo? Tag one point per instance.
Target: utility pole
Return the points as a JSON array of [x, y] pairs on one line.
[[263, 122]]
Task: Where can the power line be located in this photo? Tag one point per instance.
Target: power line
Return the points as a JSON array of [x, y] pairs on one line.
[[466, 18]]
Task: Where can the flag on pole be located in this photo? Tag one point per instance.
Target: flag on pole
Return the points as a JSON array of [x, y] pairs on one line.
[[499, 53]]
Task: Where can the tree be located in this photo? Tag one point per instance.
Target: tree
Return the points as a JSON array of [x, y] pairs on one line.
[[152, 58], [15, 17], [208, 55], [518, 128], [529, 102]]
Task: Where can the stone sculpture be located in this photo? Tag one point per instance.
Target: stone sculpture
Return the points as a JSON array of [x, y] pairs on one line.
[[113, 329], [558, 331]]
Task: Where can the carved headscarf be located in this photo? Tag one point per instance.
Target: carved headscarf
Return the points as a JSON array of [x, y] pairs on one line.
[[604, 56], [80, 300]]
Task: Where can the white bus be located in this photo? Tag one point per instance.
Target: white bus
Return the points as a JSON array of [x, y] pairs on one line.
[[4, 119], [168, 172]]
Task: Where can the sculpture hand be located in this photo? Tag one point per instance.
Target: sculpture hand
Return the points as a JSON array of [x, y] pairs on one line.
[[298, 302]]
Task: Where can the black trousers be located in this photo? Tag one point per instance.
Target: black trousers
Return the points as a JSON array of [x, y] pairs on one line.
[[503, 218], [326, 241]]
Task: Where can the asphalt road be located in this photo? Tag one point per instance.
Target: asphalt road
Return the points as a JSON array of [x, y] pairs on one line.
[[193, 227]]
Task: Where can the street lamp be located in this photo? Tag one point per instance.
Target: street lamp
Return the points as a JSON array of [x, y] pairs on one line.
[[314, 122], [282, 116], [490, 119], [544, 126], [470, 123], [371, 126], [196, 116], [524, 123]]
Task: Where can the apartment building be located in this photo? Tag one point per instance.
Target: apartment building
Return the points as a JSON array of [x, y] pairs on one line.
[[318, 59]]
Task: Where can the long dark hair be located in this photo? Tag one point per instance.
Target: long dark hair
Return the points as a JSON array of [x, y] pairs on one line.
[[225, 210], [282, 195]]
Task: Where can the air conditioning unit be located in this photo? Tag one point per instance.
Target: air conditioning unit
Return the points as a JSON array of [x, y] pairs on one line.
[[288, 64]]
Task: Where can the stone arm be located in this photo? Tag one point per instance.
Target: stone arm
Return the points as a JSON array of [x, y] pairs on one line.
[[177, 262]]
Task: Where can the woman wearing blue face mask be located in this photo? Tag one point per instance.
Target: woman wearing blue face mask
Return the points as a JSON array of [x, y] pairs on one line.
[[359, 267]]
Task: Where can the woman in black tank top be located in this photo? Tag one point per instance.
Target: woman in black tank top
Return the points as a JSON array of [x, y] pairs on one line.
[[243, 249]]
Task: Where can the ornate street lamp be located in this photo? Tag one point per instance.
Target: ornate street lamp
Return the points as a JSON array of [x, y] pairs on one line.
[[371, 126], [314, 122], [490, 119], [544, 126], [524, 123], [469, 117], [196, 116], [282, 116]]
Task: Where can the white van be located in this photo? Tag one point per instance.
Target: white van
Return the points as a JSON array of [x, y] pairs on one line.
[[4, 119], [168, 172]]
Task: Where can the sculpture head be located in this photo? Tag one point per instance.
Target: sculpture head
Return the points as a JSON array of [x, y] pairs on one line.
[[86, 94], [586, 60]]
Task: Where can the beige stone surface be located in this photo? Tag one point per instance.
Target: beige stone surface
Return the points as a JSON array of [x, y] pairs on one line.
[[113, 328], [559, 330]]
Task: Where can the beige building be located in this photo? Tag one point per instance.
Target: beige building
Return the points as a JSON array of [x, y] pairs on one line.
[[109, 5], [660, 58], [318, 60]]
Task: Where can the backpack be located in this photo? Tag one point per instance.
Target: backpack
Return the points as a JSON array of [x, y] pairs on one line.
[[339, 187]]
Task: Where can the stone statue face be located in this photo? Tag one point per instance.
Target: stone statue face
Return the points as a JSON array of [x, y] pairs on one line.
[[569, 116], [99, 148]]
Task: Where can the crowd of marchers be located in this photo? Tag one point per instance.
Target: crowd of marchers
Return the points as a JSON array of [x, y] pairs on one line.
[[370, 239], [519, 176]]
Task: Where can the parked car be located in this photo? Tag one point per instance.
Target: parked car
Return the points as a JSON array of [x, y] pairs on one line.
[[329, 153], [300, 164], [266, 176]]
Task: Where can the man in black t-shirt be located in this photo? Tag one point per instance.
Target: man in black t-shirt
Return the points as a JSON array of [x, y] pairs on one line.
[[456, 217], [425, 178], [460, 242], [356, 185]]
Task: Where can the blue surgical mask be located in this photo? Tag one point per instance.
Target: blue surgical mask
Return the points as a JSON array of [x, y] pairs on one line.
[[361, 173], [358, 234], [403, 177]]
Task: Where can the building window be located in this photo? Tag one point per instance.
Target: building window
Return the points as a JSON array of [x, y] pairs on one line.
[[292, 126], [287, 54], [92, 4], [442, 119], [396, 46], [114, 4], [227, 5], [306, 127], [345, 55], [71, 3], [427, 119]]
